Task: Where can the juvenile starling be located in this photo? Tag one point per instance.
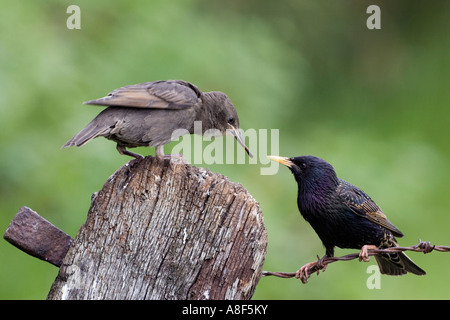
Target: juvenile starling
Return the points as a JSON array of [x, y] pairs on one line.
[[149, 114], [343, 215]]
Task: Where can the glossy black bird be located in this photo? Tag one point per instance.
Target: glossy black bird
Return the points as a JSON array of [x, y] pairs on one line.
[[344, 216], [149, 114]]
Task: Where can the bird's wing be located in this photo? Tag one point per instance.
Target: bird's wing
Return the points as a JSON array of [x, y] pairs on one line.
[[362, 205], [170, 94]]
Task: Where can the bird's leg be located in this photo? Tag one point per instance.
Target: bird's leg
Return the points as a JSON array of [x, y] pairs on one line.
[[304, 272], [364, 254], [124, 151], [159, 153]]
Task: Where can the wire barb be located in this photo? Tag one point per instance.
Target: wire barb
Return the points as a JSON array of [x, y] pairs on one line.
[[422, 246]]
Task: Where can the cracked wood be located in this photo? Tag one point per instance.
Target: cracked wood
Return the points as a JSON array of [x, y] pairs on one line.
[[165, 230]]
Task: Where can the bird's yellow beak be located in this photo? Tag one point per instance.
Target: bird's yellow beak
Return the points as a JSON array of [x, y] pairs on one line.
[[283, 160], [238, 136]]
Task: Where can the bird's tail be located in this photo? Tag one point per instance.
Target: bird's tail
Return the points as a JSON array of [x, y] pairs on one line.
[[91, 131], [397, 264]]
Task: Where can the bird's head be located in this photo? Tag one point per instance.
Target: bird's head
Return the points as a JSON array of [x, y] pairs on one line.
[[309, 170], [223, 116]]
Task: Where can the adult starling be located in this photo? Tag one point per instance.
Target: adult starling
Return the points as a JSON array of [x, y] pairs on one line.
[[344, 216], [149, 114]]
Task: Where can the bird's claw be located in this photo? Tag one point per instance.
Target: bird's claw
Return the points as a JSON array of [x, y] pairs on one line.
[[364, 254], [304, 272], [173, 158], [135, 161]]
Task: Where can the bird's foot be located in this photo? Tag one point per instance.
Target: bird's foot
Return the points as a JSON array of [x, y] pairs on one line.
[[134, 162], [304, 272], [173, 158], [364, 254]]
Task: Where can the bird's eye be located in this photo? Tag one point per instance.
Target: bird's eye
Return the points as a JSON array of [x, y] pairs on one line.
[[303, 165], [231, 120]]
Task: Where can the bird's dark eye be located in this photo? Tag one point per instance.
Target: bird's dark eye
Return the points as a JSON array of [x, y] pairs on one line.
[[231, 120], [303, 165]]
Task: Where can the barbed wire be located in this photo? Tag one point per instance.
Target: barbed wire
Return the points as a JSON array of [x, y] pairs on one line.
[[422, 246]]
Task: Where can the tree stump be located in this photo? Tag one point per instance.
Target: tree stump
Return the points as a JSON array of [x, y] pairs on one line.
[[166, 230]]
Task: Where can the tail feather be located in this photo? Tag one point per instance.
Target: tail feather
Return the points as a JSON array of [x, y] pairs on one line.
[[397, 263], [90, 132]]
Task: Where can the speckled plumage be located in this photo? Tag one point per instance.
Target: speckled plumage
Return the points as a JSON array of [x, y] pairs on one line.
[[343, 215]]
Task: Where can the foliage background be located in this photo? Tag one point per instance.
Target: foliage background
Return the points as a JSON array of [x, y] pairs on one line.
[[374, 103]]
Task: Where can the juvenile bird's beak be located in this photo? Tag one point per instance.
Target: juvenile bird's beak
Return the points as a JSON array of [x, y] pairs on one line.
[[237, 134], [285, 161]]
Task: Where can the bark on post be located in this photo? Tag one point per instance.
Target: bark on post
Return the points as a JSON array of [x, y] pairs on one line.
[[161, 230]]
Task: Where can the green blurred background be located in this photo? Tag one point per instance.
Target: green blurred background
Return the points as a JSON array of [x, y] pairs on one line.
[[374, 103]]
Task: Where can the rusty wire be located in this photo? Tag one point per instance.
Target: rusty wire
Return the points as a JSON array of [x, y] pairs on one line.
[[422, 246]]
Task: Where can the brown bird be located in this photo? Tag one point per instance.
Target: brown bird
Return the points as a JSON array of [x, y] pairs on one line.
[[149, 114]]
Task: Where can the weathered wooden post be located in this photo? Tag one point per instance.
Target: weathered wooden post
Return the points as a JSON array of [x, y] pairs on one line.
[[164, 230]]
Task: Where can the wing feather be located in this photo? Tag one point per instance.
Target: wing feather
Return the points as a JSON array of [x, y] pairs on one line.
[[362, 205], [170, 94]]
